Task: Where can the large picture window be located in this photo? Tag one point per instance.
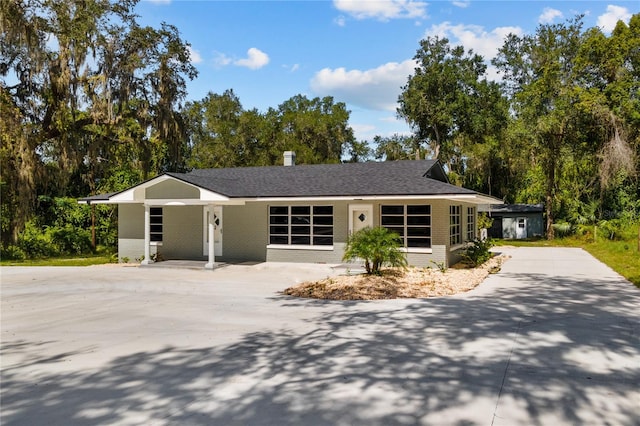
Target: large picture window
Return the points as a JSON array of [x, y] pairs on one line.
[[301, 225], [411, 222], [155, 226], [471, 223], [454, 225]]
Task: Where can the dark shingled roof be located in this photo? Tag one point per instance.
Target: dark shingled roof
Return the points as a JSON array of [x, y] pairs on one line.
[[514, 208], [98, 197], [413, 177]]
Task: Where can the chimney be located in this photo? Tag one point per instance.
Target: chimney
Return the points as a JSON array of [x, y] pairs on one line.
[[289, 158]]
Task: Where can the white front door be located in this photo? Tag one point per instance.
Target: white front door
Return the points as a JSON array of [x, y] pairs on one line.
[[360, 216], [217, 231], [521, 228]]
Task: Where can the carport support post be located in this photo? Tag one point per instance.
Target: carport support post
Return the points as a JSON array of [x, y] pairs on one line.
[[147, 235], [210, 228]]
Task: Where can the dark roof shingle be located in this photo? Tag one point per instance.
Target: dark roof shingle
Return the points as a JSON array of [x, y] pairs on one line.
[[323, 180]]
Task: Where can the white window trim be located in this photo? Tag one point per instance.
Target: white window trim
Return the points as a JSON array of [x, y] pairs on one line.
[[474, 231], [416, 250], [458, 226], [298, 247]]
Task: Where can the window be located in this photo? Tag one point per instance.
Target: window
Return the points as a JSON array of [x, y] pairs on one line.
[[301, 225], [454, 225], [471, 223], [411, 222], [155, 229]]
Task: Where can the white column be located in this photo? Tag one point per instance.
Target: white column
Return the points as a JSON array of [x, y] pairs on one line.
[[210, 230], [147, 235]]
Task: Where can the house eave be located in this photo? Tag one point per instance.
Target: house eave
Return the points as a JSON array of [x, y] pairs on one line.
[[470, 198]]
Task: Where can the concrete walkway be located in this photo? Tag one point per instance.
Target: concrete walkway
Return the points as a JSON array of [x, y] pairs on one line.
[[552, 339]]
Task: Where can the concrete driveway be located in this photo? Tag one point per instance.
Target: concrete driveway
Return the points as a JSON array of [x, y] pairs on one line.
[[552, 339]]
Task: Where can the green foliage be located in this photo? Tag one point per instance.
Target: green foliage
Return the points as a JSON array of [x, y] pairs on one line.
[[99, 105], [563, 229], [448, 101], [478, 251], [36, 242], [377, 247], [63, 227], [223, 134], [441, 266], [53, 241], [612, 229], [484, 221], [11, 252]]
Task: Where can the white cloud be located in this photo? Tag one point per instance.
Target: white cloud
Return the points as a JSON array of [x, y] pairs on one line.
[[194, 55], [255, 59], [485, 43], [463, 4], [608, 20], [549, 15], [221, 60], [382, 10], [340, 21], [376, 89], [291, 68]]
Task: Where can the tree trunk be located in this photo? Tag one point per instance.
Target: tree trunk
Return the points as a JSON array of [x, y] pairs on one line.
[[549, 195]]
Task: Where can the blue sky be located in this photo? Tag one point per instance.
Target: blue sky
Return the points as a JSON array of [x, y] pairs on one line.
[[358, 51]]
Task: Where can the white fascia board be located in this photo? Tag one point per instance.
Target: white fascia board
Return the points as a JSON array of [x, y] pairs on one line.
[[207, 195], [470, 198], [159, 202], [136, 194]]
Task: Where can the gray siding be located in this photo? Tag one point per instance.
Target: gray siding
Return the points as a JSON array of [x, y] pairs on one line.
[[172, 189], [130, 231], [245, 232], [182, 232], [535, 224]]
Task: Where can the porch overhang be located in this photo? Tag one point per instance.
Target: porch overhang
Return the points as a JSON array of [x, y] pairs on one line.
[[138, 195]]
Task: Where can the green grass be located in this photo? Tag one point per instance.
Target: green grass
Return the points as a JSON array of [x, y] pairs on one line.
[[86, 260], [622, 256]]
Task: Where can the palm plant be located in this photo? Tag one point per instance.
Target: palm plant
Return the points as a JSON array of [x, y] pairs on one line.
[[377, 247]]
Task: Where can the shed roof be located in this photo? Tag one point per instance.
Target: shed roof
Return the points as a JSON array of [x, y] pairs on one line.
[[513, 208]]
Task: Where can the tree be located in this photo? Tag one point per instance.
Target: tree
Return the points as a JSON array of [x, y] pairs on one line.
[[539, 76], [317, 129], [609, 94], [440, 100], [223, 134], [86, 93], [377, 247], [399, 147]]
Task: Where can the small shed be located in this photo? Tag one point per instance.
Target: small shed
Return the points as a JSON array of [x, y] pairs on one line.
[[515, 221]]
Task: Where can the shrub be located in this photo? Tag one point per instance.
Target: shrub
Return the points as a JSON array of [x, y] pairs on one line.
[[37, 243], [376, 246], [12, 252], [611, 229], [71, 240], [563, 229], [478, 252], [484, 221]]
